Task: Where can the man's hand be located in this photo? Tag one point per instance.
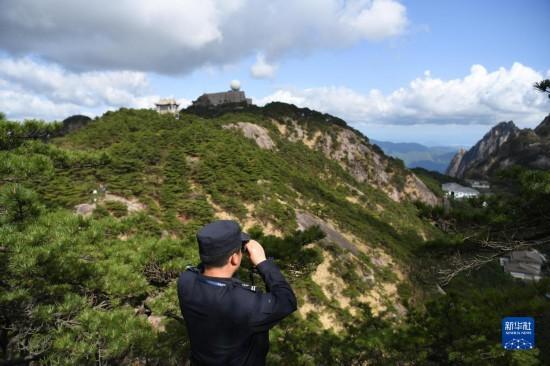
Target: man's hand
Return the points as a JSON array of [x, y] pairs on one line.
[[255, 251]]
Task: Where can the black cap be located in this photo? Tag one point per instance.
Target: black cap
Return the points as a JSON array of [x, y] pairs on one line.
[[219, 238]]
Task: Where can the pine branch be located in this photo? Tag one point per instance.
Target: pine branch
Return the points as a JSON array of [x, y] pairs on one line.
[[460, 265]]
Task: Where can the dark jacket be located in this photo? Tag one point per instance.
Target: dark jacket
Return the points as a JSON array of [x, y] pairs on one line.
[[227, 321]]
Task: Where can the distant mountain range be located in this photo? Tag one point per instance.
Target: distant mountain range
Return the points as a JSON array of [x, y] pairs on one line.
[[503, 146], [415, 155]]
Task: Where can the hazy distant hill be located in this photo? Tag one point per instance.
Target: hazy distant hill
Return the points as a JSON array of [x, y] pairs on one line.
[[415, 155]]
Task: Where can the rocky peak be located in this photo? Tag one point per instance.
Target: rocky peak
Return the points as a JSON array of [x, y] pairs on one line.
[[503, 146], [455, 163], [543, 129], [502, 129], [487, 146], [492, 141]]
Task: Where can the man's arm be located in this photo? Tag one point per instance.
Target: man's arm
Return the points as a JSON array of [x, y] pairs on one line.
[[279, 301]]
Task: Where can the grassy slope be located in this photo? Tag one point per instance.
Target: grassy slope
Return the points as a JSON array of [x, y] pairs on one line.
[[96, 271], [78, 282], [227, 166]]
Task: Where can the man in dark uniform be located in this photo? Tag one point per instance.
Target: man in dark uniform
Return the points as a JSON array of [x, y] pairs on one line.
[[228, 321]]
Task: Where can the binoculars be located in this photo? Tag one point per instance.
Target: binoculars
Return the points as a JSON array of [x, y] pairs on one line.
[[243, 245]]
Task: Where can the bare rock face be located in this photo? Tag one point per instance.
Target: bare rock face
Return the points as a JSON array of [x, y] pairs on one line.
[[306, 220], [363, 161], [255, 132], [379, 293], [418, 191], [85, 209], [452, 169], [487, 146], [132, 204]]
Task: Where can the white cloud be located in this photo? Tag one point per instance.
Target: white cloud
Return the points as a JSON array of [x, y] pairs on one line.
[[262, 69], [481, 97], [382, 19], [47, 91], [172, 36]]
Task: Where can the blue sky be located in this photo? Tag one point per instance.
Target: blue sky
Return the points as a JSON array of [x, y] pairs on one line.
[[434, 72]]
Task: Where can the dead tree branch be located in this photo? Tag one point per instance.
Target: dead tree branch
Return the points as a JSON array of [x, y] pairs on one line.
[[497, 249]]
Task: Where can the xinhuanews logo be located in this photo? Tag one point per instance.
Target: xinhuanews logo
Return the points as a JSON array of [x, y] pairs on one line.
[[518, 333]]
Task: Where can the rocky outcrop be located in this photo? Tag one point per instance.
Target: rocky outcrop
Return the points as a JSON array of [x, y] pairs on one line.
[[132, 204], [486, 147], [503, 146], [452, 170], [254, 132], [416, 190], [85, 209], [364, 161], [306, 220], [543, 130], [378, 292]]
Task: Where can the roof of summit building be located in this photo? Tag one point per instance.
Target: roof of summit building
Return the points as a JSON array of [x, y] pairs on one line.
[[520, 267], [528, 256], [167, 101], [231, 96]]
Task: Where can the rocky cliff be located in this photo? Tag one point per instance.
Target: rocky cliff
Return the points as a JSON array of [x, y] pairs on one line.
[[364, 161], [504, 145], [543, 130], [454, 165], [332, 136]]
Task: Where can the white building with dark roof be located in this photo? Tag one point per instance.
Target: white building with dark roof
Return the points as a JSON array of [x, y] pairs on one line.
[[524, 264], [458, 191], [165, 106]]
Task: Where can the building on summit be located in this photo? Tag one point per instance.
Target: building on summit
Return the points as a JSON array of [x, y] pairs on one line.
[[233, 96], [165, 106]]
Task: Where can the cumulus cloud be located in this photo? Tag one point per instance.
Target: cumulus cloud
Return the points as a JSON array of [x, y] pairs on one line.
[[262, 69], [380, 20], [29, 89], [481, 97], [174, 36]]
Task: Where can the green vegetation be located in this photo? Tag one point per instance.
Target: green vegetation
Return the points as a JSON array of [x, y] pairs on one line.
[[543, 86], [481, 230], [78, 290], [13, 134], [118, 209], [434, 180]]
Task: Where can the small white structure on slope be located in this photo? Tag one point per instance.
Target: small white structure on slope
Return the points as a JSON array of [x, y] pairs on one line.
[[478, 184], [524, 264], [165, 106], [455, 190]]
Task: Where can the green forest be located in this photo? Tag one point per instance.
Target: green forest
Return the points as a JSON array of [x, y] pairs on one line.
[[98, 288]]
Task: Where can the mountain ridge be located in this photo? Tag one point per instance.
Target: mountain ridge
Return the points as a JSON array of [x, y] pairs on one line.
[[343, 143], [502, 146]]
